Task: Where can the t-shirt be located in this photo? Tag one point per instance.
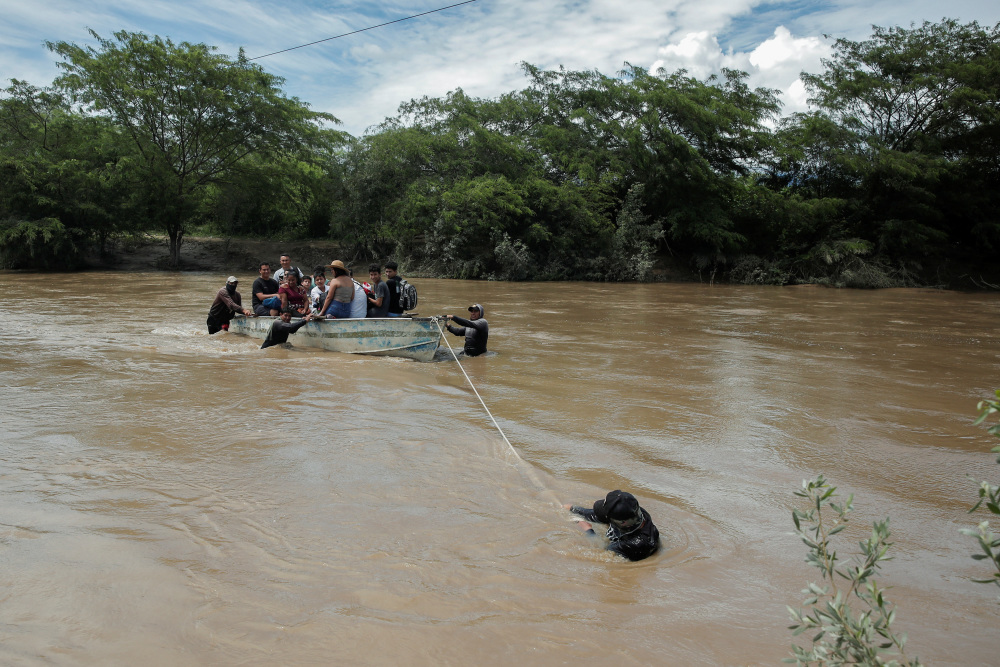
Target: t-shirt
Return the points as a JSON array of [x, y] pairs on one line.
[[292, 295], [225, 305], [381, 290], [393, 285], [279, 275], [636, 545], [476, 333], [269, 286], [318, 296]]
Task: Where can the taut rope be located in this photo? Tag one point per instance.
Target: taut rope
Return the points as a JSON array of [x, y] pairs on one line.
[[529, 470]]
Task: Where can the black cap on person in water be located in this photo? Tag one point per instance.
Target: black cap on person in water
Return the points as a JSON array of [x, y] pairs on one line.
[[620, 508], [479, 307]]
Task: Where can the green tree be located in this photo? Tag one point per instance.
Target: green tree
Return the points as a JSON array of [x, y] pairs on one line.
[[61, 165], [464, 194], [687, 142], [193, 116], [917, 112]]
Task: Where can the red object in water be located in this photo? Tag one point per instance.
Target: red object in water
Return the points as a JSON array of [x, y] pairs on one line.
[[225, 327]]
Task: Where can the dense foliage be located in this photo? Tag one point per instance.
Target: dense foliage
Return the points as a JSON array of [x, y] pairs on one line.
[[892, 179]]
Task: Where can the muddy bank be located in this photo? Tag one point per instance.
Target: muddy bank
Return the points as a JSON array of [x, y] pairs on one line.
[[206, 253], [235, 255]]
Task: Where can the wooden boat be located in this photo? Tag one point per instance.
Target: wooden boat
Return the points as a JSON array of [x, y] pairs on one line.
[[409, 337]]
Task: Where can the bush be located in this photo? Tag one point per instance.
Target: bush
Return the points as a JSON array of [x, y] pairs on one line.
[[753, 270], [633, 245], [40, 244], [989, 495], [843, 635]]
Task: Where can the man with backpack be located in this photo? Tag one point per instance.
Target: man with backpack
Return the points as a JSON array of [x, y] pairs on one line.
[[392, 281], [402, 295]]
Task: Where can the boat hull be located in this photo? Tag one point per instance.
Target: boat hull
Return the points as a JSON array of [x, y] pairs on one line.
[[408, 337]]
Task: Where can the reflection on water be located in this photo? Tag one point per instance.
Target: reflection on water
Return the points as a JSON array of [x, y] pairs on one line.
[[173, 498]]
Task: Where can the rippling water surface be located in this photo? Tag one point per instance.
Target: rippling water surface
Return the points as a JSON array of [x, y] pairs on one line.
[[171, 498]]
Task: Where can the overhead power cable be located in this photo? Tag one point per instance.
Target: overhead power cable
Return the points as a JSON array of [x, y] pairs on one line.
[[354, 32]]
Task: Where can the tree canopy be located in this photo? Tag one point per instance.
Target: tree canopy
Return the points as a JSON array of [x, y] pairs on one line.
[[194, 116], [891, 178]]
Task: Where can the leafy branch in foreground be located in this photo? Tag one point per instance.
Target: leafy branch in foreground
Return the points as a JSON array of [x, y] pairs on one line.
[[843, 635], [989, 495]]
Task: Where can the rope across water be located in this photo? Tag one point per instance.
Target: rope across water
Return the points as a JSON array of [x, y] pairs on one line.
[[527, 468]]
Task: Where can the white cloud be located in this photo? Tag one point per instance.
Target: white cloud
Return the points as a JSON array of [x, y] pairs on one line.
[[700, 54], [774, 63], [780, 59], [364, 77]]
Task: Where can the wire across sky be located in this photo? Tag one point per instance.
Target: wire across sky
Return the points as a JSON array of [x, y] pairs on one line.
[[372, 27]]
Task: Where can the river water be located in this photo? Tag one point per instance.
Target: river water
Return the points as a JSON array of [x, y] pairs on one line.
[[171, 498]]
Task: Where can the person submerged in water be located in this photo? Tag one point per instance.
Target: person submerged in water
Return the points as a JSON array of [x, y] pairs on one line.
[[631, 532], [475, 329], [282, 327]]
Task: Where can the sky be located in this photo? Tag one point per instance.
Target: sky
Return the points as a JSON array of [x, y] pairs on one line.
[[478, 47]]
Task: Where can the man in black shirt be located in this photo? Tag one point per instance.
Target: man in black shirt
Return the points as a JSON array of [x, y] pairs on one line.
[[392, 280], [265, 288], [631, 532], [475, 329], [282, 327]]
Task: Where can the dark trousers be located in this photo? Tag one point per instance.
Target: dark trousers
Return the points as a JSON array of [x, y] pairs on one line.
[[214, 325]]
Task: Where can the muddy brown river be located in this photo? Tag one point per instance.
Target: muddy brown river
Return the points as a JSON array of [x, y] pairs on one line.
[[171, 498]]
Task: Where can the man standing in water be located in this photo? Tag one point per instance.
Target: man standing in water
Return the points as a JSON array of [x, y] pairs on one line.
[[282, 327], [475, 329], [631, 532], [227, 303]]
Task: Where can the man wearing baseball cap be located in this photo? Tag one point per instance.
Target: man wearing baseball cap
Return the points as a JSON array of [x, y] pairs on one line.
[[631, 532], [475, 329], [227, 303]]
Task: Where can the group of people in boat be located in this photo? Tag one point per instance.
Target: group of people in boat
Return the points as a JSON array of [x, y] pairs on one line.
[[290, 293], [337, 295], [296, 294]]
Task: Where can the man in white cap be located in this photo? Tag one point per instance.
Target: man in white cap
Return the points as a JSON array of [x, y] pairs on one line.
[[227, 303], [475, 329]]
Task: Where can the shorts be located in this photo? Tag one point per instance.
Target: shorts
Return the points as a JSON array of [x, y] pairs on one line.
[[339, 310]]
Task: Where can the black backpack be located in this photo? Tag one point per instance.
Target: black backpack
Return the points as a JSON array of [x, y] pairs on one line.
[[407, 295]]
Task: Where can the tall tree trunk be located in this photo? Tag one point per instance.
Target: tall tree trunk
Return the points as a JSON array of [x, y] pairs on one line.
[[176, 235]]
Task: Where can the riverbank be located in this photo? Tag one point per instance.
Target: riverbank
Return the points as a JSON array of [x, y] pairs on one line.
[[209, 253], [235, 255], [242, 255]]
